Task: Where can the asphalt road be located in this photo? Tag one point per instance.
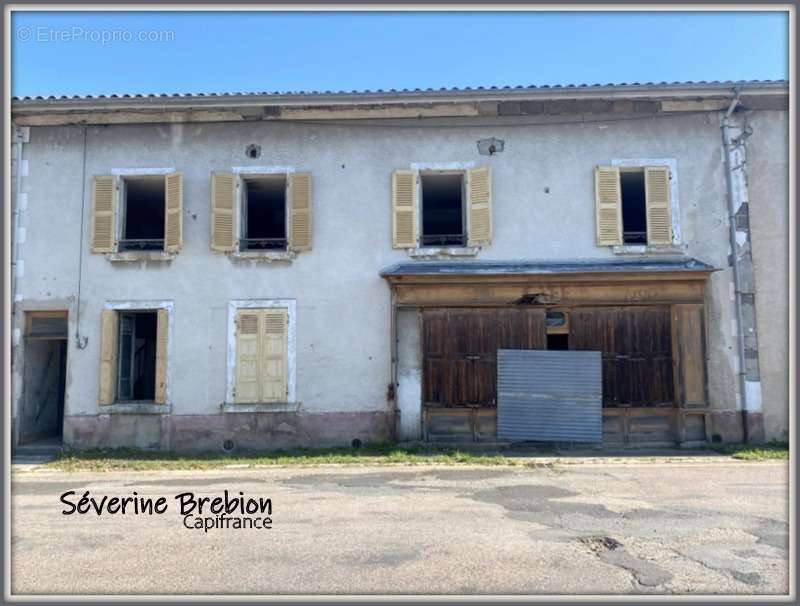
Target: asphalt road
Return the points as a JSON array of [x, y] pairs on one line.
[[673, 528]]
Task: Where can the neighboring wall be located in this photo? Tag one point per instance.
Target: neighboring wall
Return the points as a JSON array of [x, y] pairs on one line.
[[543, 196], [768, 185]]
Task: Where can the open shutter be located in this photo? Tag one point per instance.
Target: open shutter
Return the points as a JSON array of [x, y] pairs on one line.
[[108, 357], [404, 209], [274, 355], [173, 217], [608, 205], [659, 222], [104, 203], [223, 212], [299, 197], [162, 329], [247, 356], [479, 205]]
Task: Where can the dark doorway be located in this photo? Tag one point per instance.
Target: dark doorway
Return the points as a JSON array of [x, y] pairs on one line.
[[264, 213], [44, 378], [443, 210]]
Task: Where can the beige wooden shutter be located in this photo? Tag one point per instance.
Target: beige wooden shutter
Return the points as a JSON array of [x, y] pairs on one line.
[[104, 205], [404, 209], [162, 328], [608, 205], [108, 357], [299, 198], [659, 221], [479, 206], [274, 355], [247, 356], [173, 217], [223, 212]]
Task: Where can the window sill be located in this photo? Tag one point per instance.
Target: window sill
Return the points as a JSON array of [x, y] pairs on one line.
[[438, 252], [134, 256], [135, 408], [264, 257], [228, 407], [644, 249]]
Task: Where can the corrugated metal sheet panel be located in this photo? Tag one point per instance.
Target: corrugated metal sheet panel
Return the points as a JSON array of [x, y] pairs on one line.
[[549, 396]]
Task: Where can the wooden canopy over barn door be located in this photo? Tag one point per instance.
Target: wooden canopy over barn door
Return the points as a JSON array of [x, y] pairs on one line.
[[459, 351]]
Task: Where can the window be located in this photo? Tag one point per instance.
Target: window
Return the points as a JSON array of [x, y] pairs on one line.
[[137, 213], [260, 213], [142, 213], [261, 355], [133, 354], [136, 372], [632, 205], [264, 213], [443, 209], [557, 326]]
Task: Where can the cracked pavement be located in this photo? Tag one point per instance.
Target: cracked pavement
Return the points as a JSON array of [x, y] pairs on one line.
[[587, 528]]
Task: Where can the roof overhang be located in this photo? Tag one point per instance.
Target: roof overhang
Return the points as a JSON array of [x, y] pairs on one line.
[[405, 104]]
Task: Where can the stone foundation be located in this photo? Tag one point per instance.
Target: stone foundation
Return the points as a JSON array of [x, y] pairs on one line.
[[208, 433], [727, 424]]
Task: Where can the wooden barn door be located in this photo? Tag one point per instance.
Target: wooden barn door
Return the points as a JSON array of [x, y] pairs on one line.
[[459, 358]]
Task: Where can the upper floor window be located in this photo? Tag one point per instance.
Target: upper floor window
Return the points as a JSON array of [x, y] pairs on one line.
[[443, 217], [142, 213], [632, 205], [137, 213], [261, 212], [441, 208]]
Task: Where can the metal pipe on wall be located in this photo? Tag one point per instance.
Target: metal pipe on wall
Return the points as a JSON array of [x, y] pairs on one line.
[[740, 345]]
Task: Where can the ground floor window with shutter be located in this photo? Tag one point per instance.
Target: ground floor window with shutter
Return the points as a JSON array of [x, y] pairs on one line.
[[134, 353], [261, 352]]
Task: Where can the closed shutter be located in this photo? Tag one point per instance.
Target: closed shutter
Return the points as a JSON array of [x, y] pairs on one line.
[[404, 209], [104, 202], [273, 355], [108, 357], [608, 205], [223, 212], [299, 211], [247, 356], [479, 205], [173, 217], [659, 222], [162, 330]]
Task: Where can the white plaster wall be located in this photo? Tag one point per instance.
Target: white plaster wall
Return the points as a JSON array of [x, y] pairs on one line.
[[343, 333], [768, 188], [409, 374]]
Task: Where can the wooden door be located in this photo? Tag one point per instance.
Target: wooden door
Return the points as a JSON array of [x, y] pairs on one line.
[[459, 351], [637, 352]]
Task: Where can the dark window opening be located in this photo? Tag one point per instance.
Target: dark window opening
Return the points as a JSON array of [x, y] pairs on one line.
[[558, 342], [264, 214], [144, 214], [137, 355], [634, 208], [443, 210]]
